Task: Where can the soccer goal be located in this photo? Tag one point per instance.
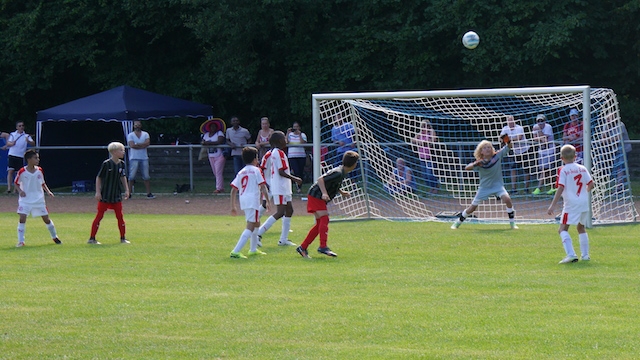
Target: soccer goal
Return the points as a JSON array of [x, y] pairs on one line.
[[414, 147]]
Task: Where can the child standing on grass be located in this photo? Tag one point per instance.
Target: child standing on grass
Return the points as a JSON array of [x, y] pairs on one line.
[[250, 184], [320, 193], [573, 184], [280, 188], [488, 164], [31, 187], [110, 183]]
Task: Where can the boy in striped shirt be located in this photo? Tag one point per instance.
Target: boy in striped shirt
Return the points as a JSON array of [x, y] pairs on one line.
[[111, 182]]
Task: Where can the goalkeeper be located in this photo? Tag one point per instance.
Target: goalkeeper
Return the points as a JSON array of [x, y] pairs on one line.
[[488, 164]]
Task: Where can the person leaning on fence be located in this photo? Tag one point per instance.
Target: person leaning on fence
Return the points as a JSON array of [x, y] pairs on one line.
[[111, 182], [237, 138], [214, 135], [543, 136], [17, 143], [139, 141], [297, 154]]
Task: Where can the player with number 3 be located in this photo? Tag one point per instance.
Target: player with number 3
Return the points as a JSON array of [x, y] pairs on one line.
[[574, 184]]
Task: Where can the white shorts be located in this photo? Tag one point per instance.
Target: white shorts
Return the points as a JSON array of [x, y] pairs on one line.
[[574, 218], [484, 195], [282, 199], [251, 215], [34, 210]]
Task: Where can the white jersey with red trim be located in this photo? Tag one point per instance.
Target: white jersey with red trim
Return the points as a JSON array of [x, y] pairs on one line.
[[280, 185], [574, 178], [265, 165], [31, 184], [248, 183]]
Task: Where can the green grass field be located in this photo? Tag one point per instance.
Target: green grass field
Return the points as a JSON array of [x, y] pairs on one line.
[[396, 291]]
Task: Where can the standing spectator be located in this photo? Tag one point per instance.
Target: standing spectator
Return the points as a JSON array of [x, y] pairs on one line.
[[251, 187], [214, 135], [572, 134], [423, 141], [342, 135], [111, 181], [139, 141], [17, 143], [617, 137], [237, 138], [574, 185], [543, 135], [31, 187], [297, 154], [262, 139], [521, 157]]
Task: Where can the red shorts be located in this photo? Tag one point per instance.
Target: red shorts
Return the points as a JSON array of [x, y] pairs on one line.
[[315, 204]]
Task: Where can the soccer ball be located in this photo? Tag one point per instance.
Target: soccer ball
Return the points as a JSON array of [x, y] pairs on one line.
[[470, 40]]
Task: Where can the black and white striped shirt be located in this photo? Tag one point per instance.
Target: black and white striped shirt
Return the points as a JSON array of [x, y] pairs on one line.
[[111, 175]]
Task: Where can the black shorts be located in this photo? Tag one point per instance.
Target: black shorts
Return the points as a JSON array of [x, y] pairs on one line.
[[15, 163]]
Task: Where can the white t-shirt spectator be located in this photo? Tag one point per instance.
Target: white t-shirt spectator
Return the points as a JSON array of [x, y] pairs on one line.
[[516, 135], [138, 154], [293, 150], [21, 141]]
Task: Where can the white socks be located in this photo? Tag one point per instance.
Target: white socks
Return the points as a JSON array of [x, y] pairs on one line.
[[584, 244], [21, 227], [286, 225], [567, 244], [253, 245], [52, 230], [267, 225], [243, 240]]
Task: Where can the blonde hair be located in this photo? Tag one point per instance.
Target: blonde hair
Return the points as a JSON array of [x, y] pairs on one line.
[[477, 152], [568, 152], [115, 146]]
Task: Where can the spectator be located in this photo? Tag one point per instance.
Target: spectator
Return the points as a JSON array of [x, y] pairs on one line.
[[237, 138], [214, 135], [262, 139], [17, 143], [342, 135], [423, 141], [297, 154], [139, 141], [403, 180], [617, 137], [543, 135], [521, 156], [572, 134]]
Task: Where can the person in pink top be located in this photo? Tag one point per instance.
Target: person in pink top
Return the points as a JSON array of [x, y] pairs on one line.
[[424, 141], [574, 184]]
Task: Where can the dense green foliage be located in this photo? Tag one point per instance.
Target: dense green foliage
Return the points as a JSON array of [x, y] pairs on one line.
[[254, 58]]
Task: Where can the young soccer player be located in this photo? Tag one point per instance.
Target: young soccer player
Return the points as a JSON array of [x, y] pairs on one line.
[[574, 184], [31, 187], [250, 184], [488, 164], [280, 188], [320, 193], [111, 181]]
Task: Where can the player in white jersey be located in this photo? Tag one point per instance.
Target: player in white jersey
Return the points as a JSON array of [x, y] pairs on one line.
[[249, 183], [31, 187], [265, 166], [574, 184], [280, 187]]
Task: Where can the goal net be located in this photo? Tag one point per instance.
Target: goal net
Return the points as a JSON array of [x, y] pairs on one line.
[[414, 147]]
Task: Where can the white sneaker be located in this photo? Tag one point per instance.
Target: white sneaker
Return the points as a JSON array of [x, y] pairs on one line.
[[514, 226], [456, 225], [568, 259], [20, 244], [586, 258], [286, 243]]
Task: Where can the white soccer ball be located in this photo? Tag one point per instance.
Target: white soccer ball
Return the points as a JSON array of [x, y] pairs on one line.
[[470, 40]]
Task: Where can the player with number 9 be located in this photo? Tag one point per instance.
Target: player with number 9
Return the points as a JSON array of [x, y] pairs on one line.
[[248, 185]]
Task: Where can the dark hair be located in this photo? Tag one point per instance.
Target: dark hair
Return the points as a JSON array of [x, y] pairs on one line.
[[249, 154], [350, 158], [30, 153], [276, 138]]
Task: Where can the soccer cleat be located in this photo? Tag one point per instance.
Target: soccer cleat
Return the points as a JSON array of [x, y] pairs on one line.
[[259, 240], [456, 225], [237, 255], [150, 196], [568, 259], [536, 191], [552, 191], [327, 251], [286, 243], [124, 241], [514, 226], [257, 252], [585, 258], [93, 241], [303, 252], [57, 241], [20, 244]]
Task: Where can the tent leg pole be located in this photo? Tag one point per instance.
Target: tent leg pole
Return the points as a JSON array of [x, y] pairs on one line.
[[191, 167]]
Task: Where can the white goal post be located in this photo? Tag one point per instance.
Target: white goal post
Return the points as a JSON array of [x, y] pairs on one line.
[[414, 146]]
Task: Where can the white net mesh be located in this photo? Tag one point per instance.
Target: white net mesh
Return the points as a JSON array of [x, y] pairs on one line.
[[414, 150]]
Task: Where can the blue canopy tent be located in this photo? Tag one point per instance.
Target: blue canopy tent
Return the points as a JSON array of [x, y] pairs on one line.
[[97, 120]]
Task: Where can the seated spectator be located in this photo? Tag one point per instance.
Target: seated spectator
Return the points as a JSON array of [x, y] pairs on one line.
[[403, 180]]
